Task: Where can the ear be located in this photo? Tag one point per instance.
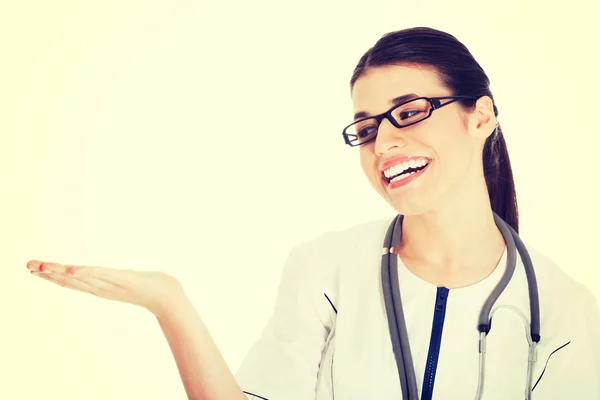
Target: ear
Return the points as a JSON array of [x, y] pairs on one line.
[[484, 118]]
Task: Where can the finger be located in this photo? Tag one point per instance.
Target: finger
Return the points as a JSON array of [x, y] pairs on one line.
[[40, 266], [113, 276], [49, 277], [96, 287], [57, 268], [34, 265]]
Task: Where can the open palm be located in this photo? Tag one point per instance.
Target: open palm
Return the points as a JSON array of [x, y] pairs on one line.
[[148, 289]]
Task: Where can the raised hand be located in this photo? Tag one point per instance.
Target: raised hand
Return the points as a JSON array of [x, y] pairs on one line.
[[203, 371], [151, 290]]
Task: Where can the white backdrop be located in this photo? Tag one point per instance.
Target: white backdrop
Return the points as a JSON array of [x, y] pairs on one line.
[[203, 139]]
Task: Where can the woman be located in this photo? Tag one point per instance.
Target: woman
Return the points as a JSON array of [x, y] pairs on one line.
[[439, 159]]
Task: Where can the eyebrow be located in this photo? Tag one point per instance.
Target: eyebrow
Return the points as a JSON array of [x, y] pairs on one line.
[[393, 102]]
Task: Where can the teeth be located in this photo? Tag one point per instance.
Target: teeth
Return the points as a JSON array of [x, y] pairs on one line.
[[399, 168], [400, 177]]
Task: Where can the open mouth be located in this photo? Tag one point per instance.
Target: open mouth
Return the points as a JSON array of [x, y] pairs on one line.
[[404, 170]]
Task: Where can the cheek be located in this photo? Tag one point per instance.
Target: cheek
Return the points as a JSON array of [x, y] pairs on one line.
[[454, 153], [368, 162]]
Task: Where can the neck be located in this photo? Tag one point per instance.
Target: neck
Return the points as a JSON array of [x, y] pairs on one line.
[[459, 235]]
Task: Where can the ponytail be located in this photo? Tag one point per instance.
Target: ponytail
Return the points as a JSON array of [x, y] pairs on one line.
[[499, 179]]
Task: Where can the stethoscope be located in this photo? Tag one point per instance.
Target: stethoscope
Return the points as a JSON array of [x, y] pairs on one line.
[[397, 324]]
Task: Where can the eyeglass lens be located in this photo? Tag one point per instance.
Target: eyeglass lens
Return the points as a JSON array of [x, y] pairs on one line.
[[407, 114]]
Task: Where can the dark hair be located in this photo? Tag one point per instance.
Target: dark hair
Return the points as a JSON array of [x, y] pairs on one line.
[[460, 73]]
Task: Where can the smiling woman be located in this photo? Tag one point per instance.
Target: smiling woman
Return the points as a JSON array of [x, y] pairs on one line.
[[425, 124]]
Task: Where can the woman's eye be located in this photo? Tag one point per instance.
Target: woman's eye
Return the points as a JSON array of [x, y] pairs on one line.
[[366, 132], [409, 114]]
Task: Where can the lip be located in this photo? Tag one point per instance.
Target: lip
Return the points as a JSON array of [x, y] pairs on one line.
[[397, 160]]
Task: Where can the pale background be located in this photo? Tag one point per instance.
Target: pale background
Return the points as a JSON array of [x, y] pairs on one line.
[[202, 138]]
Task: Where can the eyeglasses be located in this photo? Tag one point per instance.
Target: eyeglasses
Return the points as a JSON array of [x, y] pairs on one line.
[[405, 114]]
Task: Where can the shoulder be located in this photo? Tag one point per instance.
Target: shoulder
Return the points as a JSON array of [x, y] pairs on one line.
[[553, 279], [565, 303], [321, 259], [355, 238]]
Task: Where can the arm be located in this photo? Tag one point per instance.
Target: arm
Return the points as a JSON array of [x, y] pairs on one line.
[[284, 362], [203, 371]]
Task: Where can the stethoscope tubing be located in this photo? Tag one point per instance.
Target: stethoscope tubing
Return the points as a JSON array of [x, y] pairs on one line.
[[395, 313]]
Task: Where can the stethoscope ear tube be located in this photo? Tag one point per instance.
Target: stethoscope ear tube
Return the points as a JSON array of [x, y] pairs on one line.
[[513, 244], [534, 300], [389, 306], [393, 305], [511, 260]]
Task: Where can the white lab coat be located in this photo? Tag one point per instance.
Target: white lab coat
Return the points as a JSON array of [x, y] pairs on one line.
[[328, 336]]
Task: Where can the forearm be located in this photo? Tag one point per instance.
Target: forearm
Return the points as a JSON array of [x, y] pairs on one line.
[[203, 371]]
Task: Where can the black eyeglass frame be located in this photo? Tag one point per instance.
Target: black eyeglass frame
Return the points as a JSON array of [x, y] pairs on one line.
[[435, 105]]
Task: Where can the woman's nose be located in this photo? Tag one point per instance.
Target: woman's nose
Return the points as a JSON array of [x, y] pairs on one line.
[[388, 136]]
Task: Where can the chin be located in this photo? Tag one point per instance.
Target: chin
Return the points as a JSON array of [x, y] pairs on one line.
[[415, 202], [409, 208]]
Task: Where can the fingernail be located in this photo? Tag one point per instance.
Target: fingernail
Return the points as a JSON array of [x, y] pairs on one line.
[[35, 273]]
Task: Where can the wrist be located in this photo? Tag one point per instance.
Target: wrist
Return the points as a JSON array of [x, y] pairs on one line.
[[174, 303]]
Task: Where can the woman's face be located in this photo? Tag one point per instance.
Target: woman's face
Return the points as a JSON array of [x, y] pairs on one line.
[[448, 141]]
